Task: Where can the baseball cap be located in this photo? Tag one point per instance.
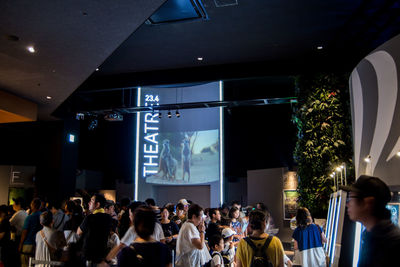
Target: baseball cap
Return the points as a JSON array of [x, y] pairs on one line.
[[369, 186], [227, 232], [183, 201]]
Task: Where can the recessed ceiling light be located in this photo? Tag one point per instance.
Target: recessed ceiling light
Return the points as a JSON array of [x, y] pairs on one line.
[[199, 58], [97, 69], [31, 49], [48, 97], [320, 47]]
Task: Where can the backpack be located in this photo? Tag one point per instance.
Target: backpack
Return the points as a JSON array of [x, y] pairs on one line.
[[227, 261], [208, 264], [138, 260], [260, 258]]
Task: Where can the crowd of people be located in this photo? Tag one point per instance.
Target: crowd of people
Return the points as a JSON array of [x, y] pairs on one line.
[[135, 234], [184, 235]]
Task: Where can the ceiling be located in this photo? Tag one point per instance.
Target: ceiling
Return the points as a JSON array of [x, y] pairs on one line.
[[252, 38]]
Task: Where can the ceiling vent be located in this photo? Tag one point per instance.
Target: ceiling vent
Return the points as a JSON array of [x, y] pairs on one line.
[[224, 3], [178, 11]]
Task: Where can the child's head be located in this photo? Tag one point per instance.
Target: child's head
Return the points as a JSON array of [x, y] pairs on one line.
[[234, 213], [216, 243], [227, 234]]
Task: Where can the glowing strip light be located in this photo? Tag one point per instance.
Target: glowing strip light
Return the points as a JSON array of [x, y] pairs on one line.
[[332, 231], [357, 242], [329, 224], [135, 197], [336, 227], [221, 147]]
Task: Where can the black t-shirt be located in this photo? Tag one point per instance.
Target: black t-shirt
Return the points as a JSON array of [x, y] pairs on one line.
[[212, 229], [170, 229], [96, 229], [154, 254]]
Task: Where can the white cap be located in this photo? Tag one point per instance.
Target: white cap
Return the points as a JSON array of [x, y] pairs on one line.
[[184, 201], [227, 232]]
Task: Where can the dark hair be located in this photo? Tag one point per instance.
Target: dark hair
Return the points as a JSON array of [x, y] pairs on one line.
[[99, 198], [37, 203], [303, 217], [194, 210], [214, 240], [212, 212], [134, 205], [46, 218], [235, 202], [70, 206], [231, 211], [4, 209], [109, 203], [256, 218], [125, 202], [170, 207], [150, 202], [262, 206], [164, 208], [180, 206], [78, 201], [144, 222], [54, 204]]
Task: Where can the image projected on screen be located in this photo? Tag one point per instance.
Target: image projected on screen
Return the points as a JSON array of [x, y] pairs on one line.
[[178, 150], [187, 157]]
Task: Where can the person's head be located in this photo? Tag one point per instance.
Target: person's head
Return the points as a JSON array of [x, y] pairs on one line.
[[195, 213], [53, 206], [97, 202], [236, 204], [215, 215], [261, 206], [36, 204], [46, 218], [216, 243], [150, 202], [70, 207], [144, 221], [227, 234], [132, 208], [234, 213], [125, 202], [109, 207], [179, 209], [3, 212], [171, 208], [303, 217], [164, 213], [258, 220], [367, 198], [18, 204], [185, 204]]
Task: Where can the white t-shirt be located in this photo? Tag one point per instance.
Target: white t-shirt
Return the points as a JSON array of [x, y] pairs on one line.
[[17, 220], [54, 238], [187, 254], [217, 260], [131, 235]]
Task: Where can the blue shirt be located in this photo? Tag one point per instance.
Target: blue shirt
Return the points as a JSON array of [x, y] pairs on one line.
[[32, 224], [309, 237]]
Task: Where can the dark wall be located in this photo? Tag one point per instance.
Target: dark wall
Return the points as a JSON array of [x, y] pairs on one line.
[[44, 145]]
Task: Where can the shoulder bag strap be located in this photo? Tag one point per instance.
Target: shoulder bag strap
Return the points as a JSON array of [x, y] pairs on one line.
[[51, 248], [62, 219], [267, 242], [251, 244]]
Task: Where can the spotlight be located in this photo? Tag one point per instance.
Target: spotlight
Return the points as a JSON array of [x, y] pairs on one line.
[[93, 124], [338, 169], [332, 175], [169, 114], [342, 167], [367, 159], [177, 113], [80, 116], [398, 154], [159, 115]]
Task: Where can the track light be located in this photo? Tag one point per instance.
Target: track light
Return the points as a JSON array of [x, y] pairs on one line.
[[398, 154], [169, 114], [367, 159], [177, 114], [338, 169]]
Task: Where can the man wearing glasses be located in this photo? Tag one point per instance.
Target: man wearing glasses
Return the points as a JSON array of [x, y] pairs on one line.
[[366, 203]]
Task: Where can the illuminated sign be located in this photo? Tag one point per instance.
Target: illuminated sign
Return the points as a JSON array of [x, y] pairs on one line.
[[150, 139]]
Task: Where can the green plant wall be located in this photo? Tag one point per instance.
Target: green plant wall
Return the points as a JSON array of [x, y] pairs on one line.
[[323, 121]]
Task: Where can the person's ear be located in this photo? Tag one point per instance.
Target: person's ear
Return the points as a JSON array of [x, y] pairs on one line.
[[369, 202]]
